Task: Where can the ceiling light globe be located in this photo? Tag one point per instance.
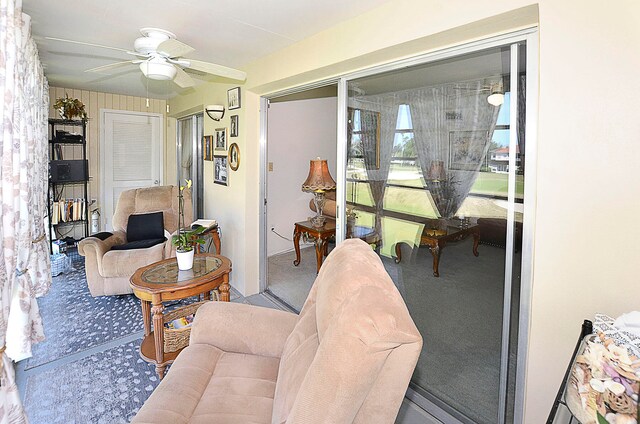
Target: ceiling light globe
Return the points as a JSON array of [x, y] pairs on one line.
[[158, 69], [496, 99]]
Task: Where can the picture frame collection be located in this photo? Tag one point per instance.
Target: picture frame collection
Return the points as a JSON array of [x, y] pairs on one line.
[[216, 147]]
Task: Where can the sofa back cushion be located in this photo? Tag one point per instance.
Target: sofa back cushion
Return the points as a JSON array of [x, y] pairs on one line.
[[152, 199], [360, 322]]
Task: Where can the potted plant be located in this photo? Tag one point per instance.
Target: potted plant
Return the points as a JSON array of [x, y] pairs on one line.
[[70, 108], [186, 239]]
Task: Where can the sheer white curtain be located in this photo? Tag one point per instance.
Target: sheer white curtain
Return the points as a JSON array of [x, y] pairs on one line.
[[24, 259], [453, 127]]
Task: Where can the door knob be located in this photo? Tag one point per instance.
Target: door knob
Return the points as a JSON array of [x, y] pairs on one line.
[[156, 182]]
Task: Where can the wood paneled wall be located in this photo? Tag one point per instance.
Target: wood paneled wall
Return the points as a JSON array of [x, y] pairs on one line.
[[94, 101]]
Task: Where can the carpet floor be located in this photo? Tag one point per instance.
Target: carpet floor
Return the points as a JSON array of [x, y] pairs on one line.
[[459, 315], [88, 370]]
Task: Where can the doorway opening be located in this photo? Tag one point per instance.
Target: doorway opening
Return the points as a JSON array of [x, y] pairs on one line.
[[301, 127], [190, 160]]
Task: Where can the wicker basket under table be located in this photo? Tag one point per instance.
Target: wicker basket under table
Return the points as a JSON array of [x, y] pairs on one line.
[[176, 339]]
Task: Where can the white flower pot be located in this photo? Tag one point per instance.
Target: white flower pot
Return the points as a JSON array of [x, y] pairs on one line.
[[185, 259]]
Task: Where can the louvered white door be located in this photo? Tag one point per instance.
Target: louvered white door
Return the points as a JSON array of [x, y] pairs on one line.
[[131, 156]]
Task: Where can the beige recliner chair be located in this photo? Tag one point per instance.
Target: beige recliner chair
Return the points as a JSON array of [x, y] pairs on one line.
[[347, 358], [108, 270]]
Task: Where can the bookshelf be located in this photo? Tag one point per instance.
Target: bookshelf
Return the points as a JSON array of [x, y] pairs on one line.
[[68, 172]]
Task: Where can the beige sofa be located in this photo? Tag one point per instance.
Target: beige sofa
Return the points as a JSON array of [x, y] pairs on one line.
[[108, 271], [347, 358]]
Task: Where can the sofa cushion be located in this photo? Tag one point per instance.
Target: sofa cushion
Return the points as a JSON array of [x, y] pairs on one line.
[[298, 354], [145, 226], [124, 263], [207, 385], [139, 244]]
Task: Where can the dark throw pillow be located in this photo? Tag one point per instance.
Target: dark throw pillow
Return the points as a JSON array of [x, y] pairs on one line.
[[139, 244], [145, 226]]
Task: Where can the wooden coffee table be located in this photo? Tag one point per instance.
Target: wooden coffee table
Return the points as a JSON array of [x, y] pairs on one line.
[[162, 281], [437, 241]]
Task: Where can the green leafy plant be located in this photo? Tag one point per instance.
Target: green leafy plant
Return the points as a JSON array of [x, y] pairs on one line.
[[186, 239], [70, 108]]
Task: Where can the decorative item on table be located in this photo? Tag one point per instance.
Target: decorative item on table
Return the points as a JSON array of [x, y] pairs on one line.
[[318, 182], [605, 376], [185, 239], [69, 108]]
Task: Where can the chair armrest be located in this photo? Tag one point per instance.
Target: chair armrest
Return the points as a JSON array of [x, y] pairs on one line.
[[92, 246], [240, 328]]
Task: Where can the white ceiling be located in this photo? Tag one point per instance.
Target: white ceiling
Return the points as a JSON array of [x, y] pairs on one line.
[[230, 32]]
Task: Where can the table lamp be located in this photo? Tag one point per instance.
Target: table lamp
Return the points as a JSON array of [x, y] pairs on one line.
[[318, 182]]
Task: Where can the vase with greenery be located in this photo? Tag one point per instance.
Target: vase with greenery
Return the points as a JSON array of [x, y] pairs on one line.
[[185, 239], [69, 108]]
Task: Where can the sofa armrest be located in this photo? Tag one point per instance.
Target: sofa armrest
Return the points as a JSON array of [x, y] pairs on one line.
[[94, 247], [240, 328]]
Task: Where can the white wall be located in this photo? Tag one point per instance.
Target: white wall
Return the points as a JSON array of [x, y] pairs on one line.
[[298, 132], [587, 173]]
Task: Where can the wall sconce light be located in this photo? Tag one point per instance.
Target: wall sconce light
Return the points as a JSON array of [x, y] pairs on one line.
[[215, 112]]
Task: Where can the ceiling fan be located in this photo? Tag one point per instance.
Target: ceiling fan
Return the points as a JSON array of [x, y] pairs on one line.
[[160, 56], [495, 90]]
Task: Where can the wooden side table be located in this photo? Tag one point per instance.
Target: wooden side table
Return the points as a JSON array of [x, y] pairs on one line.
[[215, 236], [162, 281], [320, 235], [437, 243]]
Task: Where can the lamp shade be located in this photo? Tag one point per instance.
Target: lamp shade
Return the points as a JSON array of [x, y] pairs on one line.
[[319, 178], [496, 98]]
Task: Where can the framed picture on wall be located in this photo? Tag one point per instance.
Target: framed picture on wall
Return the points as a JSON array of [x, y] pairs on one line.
[[220, 137], [220, 171], [233, 98], [466, 149], [234, 157], [207, 147], [234, 126]]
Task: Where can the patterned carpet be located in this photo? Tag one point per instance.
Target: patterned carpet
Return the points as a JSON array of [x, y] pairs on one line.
[[89, 369]]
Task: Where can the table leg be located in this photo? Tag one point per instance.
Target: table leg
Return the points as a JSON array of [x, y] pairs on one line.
[[476, 241], [435, 251], [296, 246], [146, 316], [158, 334], [320, 248], [206, 295], [224, 289], [398, 253], [216, 241]]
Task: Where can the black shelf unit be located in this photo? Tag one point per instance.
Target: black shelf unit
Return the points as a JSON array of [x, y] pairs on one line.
[[54, 142]]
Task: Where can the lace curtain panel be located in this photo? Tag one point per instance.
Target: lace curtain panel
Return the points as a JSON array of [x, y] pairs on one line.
[[24, 259], [457, 150]]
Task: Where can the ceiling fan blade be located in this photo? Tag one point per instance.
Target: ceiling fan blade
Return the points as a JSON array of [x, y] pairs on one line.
[[182, 79], [111, 66], [87, 44], [174, 48], [212, 68]]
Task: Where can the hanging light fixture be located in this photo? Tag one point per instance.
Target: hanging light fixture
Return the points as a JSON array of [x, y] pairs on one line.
[[496, 98]]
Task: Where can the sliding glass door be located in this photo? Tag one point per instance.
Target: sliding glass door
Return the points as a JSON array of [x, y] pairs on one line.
[[190, 160], [435, 168]]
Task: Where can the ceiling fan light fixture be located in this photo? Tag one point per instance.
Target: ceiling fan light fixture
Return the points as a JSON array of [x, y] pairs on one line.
[[496, 98], [158, 69]]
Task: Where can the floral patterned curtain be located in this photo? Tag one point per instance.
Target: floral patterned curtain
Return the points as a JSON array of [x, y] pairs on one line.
[[24, 258]]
